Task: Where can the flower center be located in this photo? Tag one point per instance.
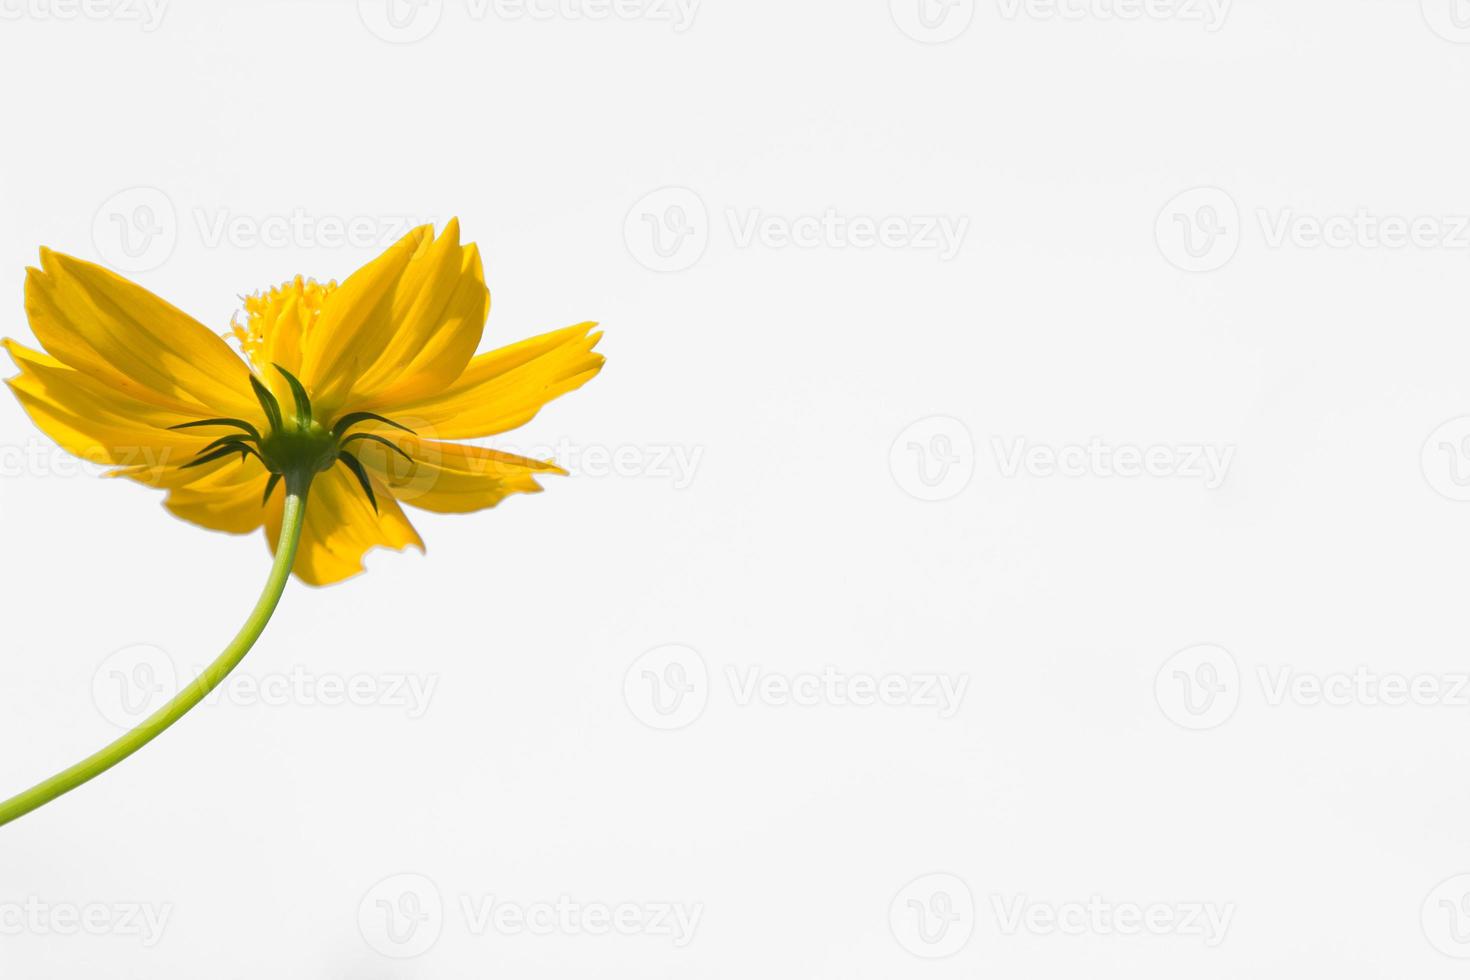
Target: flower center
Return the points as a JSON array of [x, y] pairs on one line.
[[291, 449], [295, 448], [277, 319]]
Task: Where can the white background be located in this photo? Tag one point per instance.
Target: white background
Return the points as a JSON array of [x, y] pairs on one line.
[[864, 428]]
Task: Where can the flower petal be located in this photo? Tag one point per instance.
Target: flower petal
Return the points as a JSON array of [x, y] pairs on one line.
[[341, 527], [225, 498], [122, 335], [505, 388], [449, 478], [91, 420], [356, 324], [439, 312]]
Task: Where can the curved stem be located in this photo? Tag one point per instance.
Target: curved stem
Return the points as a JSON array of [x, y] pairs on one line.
[[44, 792]]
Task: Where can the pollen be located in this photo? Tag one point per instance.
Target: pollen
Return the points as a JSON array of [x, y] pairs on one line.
[[292, 307]]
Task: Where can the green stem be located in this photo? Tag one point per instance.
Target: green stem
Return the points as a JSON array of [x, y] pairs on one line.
[[94, 765]]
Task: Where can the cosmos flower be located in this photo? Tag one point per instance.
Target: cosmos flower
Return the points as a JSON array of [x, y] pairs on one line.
[[344, 405], [387, 365]]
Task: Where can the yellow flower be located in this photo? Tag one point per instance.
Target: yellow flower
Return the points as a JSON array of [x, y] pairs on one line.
[[387, 372], [345, 394]]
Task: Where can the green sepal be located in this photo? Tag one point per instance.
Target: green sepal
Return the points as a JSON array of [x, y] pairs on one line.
[[348, 421], [220, 453], [298, 391], [229, 440], [355, 465], [377, 438], [240, 423], [269, 486], [267, 402]]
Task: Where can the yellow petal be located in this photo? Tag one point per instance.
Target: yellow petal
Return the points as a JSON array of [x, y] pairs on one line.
[[122, 335], [95, 422], [298, 300], [341, 527], [439, 312], [355, 325], [225, 497], [276, 320], [503, 389], [449, 478], [283, 348]]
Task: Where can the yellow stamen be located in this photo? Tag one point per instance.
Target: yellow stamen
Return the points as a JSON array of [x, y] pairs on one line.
[[293, 306]]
